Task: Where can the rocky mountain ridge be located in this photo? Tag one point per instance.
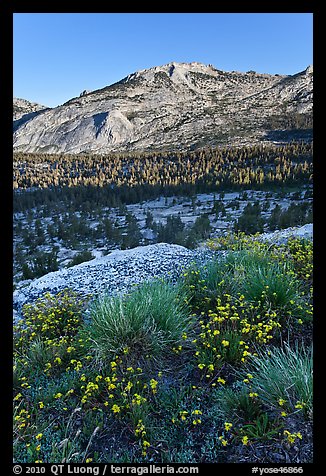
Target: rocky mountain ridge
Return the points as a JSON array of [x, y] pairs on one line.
[[24, 110], [177, 105]]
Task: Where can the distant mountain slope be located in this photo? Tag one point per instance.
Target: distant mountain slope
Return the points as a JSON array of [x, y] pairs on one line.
[[176, 105], [24, 110]]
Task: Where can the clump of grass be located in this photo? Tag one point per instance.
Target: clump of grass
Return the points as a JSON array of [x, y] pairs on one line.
[[235, 404], [242, 261], [250, 272], [261, 428], [283, 378], [150, 320], [39, 354], [206, 284], [273, 283], [261, 278]]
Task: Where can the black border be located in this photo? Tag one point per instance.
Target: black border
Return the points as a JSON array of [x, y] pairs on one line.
[[7, 9]]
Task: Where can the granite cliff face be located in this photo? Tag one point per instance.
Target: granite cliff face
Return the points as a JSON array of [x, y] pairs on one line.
[[177, 105]]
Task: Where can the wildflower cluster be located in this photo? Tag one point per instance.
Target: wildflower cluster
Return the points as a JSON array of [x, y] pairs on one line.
[[292, 437], [187, 418], [196, 417], [140, 433], [22, 418], [51, 317], [46, 334], [122, 390], [235, 242], [226, 436], [301, 253], [231, 332]]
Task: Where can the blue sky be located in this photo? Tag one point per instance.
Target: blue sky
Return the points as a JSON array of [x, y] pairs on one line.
[[58, 55]]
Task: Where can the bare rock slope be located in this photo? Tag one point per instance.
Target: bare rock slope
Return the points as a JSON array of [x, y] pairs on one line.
[[176, 105]]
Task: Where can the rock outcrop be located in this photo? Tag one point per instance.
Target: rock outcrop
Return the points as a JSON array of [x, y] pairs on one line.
[[119, 271], [281, 236], [115, 273]]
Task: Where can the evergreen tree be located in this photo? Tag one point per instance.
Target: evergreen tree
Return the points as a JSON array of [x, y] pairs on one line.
[[274, 219], [133, 234], [171, 231], [149, 219], [250, 221], [202, 227]]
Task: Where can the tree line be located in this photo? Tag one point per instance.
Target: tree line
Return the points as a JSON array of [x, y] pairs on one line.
[[113, 179]]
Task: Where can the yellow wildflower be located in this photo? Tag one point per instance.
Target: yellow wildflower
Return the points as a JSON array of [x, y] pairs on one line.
[[222, 440], [245, 440], [153, 383]]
